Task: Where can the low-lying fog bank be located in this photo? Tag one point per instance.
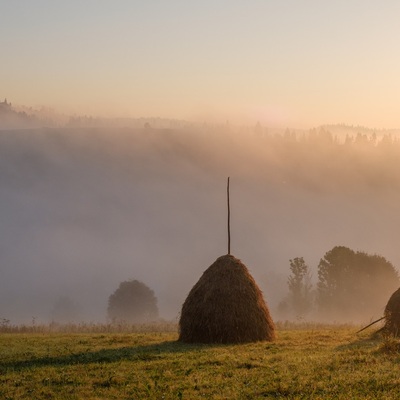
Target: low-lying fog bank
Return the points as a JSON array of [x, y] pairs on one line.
[[84, 209]]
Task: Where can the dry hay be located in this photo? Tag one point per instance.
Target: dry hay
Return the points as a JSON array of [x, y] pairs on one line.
[[225, 306], [392, 314]]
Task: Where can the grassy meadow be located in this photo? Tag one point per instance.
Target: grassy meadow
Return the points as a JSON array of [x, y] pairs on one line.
[[305, 362]]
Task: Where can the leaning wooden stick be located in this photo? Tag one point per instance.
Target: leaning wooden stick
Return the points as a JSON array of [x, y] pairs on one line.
[[372, 323], [229, 221]]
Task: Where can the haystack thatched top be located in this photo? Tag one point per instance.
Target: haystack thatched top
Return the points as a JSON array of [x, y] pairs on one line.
[[226, 271]]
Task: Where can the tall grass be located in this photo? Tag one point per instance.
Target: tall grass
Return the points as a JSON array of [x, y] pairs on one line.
[[88, 327], [159, 326]]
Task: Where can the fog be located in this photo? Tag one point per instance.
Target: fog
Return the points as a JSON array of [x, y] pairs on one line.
[[83, 209]]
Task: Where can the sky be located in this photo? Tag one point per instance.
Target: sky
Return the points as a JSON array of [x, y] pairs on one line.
[[295, 63]]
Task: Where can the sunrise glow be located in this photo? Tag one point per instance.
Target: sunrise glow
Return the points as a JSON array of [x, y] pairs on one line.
[[288, 63]]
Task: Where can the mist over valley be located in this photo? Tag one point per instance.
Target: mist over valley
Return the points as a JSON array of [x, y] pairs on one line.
[[84, 208]]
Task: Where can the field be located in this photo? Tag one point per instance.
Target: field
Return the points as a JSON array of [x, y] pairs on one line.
[[305, 362]]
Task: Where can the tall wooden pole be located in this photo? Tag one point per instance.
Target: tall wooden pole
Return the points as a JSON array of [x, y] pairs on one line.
[[229, 221]]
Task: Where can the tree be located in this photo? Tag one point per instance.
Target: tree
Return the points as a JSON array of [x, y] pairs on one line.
[[352, 284], [300, 287], [332, 271], [65, 310], [132, 302]]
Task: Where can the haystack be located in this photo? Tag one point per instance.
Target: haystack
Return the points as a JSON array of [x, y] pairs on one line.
[[392, 314], [225, 306]]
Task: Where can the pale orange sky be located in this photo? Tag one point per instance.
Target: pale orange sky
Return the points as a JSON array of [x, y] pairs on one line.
[[285, 63]]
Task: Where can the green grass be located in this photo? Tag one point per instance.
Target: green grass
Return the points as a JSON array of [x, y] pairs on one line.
[[309, 363]]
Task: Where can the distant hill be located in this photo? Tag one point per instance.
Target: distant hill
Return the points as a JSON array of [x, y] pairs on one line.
[[12, 119], [22, 117]]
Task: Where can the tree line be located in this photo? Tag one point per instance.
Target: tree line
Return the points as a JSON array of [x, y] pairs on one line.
[[350, 283]]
